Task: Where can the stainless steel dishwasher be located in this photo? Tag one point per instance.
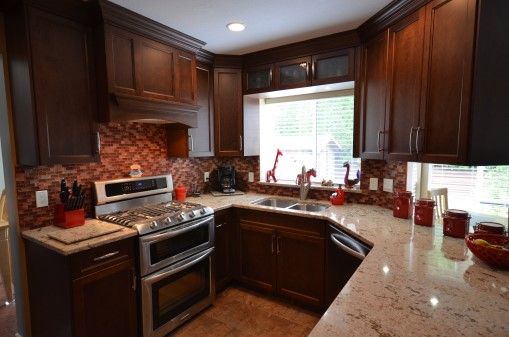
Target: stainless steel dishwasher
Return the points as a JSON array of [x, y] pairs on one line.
[[344, 255]]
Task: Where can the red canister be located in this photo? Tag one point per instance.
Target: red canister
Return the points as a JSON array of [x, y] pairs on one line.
[[456, 223], [423, 212], [402, 202], [489, 227], [180, 193]]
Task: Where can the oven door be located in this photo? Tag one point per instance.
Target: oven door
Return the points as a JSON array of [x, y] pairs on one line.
[[175, 294], [165, 247]]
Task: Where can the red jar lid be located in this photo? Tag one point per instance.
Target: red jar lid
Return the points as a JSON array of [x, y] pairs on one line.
[[407, 194], [425, 202], [457, 213], [491, 227]]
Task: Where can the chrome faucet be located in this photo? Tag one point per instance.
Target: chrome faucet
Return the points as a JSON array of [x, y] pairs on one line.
[[304, 184]]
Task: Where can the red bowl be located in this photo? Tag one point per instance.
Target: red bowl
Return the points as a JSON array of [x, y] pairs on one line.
[[496, 257]]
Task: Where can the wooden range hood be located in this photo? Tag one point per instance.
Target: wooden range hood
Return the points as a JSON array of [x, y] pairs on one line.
[[149, 70]]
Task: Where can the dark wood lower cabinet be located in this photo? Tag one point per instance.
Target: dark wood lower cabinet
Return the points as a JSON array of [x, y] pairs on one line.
[[300, 269], [257, 256], [283, 255], [224, 252], [85, 294]]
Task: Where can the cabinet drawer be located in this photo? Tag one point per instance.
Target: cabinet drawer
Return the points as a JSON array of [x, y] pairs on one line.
[[95, 259]]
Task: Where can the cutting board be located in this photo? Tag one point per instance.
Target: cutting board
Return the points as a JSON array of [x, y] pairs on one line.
[[85, 232]]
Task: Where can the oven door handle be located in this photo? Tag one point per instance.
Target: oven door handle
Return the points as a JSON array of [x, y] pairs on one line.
[[177, 267], [173, 232]]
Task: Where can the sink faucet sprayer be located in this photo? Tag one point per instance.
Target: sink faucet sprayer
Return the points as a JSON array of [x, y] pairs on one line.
[[304, 181]]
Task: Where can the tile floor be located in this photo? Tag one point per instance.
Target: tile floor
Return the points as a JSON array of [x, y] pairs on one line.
[[7, 315], [243, 313]]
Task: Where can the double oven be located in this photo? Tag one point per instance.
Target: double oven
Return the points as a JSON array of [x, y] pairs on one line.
[[176, 275]]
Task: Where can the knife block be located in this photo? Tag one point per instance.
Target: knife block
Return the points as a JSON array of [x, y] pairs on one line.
[[68, 219]]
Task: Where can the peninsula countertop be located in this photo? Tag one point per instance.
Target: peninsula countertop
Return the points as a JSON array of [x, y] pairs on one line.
[[414, 282]]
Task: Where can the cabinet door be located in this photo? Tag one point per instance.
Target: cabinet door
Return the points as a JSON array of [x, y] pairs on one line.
[[202, 137], [258, 79], [63, 72], [155, 67], [120, 59], [257, 256], [450, 31], [293, 73], [373, 91], [223, 249], [228, 112], [301, 267], [406, 51], [105, 303], [186, 77], [333, 67]]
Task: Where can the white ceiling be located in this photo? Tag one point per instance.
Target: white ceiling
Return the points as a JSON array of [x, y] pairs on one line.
[[270, 23]]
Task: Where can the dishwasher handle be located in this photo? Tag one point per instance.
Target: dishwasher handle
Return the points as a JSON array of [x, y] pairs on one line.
[[342, 242]]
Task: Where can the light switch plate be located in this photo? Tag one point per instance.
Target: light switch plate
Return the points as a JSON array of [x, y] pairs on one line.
[[250, 177], [373, 184], [206, 176], [388, 185], [41, 198]]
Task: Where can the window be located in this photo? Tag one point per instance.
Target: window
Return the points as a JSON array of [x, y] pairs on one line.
[[314, 130], [481, 190]]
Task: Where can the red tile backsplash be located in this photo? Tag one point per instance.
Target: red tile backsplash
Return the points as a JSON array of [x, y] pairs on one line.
[[125, 144]]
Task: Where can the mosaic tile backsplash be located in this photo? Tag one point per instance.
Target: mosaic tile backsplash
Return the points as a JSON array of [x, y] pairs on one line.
[[145, 144]]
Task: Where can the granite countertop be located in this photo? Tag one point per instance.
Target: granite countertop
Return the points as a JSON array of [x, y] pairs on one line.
[[40, 236], [414, 282]]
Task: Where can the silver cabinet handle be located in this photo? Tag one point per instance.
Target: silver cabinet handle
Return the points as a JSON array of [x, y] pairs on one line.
[[346, 249], [380, 149], [270, 77], [278, 245], [417, 139], [272, 243], [241, 144], [98, 142], [191, 143], [410, 140], [106, 256], [220, 225]]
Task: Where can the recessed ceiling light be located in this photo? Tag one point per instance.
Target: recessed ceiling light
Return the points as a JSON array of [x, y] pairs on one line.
[[236, 26]]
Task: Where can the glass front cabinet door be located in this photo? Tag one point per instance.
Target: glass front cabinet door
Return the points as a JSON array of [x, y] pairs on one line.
[[258, 79], [333, 67], [293, 73]]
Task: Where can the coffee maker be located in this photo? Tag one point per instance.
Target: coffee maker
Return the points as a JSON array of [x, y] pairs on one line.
[[226, 178]]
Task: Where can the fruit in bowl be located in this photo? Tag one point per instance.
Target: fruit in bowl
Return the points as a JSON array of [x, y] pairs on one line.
[[491, 248]]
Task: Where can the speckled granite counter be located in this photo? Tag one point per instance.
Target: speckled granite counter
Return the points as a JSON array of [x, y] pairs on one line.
[[40, 236], [414, 282]]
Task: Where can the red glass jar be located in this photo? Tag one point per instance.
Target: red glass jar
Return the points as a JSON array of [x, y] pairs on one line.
[[456, 223], [489, 228], [423, 212], [402, 202]]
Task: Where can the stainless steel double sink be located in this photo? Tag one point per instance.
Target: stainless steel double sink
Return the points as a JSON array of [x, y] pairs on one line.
[[291, 204]]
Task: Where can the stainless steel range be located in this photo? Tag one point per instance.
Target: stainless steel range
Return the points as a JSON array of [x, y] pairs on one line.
[[175, 246]]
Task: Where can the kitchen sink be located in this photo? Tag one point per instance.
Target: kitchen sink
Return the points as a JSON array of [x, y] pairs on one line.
[[309, 207], [276, 202], [291, 204]]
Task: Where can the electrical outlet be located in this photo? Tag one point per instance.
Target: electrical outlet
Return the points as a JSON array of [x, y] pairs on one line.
[[41, 198], [373, 184], [206, 176], [250, 177], [388, 185]]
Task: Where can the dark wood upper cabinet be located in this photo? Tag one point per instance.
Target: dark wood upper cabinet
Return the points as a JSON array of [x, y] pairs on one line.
[[443, 132], [258, 79], [55, 114], [336, 66], [406, 51], [293, 73], [186, 77], [373, 97], [228, 112]]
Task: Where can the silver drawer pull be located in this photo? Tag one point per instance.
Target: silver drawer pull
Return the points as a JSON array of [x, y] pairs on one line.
[[106, 256]]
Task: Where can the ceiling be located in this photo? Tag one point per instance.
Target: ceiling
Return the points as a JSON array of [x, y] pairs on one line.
[[269, 23]]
